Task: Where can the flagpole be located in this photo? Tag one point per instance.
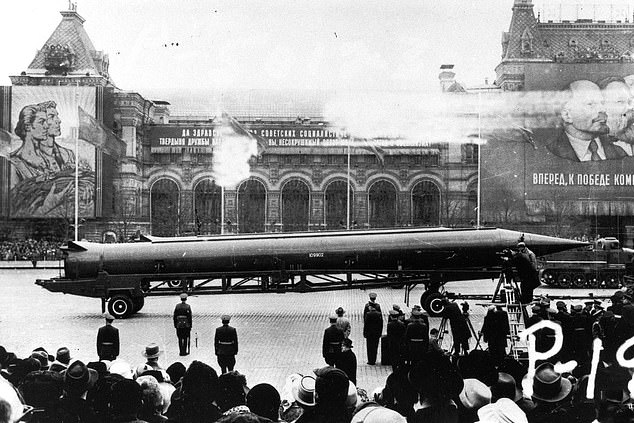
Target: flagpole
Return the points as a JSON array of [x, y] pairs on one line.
[[222, 210], [348, 191], [76, 133], [479, 158]]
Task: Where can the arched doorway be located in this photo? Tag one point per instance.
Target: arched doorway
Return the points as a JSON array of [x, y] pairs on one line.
[[295, 203], [251, 206], [207, 207], [336, 200], [382, 205], [164, 206], [426, 204]]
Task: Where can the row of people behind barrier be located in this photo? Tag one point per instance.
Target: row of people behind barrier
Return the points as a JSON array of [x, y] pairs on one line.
[[30, 249]]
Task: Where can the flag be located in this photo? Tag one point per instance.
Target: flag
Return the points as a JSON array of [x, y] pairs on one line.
[[5, 143], [377, 150], [241, 131], [94, 132]]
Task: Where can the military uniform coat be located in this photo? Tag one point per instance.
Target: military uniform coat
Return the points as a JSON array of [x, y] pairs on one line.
[[183, 316], [108, 342], [226, 340]]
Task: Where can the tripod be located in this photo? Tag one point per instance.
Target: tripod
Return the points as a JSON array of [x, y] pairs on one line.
[[443, 328]]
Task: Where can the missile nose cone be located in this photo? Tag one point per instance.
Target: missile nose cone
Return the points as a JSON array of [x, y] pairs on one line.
[[544, 244]]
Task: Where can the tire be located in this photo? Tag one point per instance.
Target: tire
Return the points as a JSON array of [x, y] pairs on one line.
[[594, 281], [176, 283], [138, 303], [612, 281], [578, 280], [548, 277], [433, 304], [120, 306], [563, 280]]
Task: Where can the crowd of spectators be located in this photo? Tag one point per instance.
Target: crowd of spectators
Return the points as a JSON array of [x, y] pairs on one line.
[[30, 249], [435, 387]]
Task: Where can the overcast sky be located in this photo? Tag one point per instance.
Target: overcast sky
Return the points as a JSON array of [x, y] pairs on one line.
[[287, 44]]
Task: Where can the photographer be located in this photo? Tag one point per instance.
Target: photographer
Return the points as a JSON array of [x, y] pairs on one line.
[[459, 329], [525, 263]]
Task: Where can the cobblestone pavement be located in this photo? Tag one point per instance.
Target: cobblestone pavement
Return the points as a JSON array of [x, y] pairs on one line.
[[279, 334]]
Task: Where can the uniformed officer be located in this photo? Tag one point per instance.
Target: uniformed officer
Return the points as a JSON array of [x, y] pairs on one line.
[[226, 345], [372, 330], [183, 324], [108, 340]]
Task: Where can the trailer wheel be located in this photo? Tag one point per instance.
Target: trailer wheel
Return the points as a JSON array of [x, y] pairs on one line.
[[433, 303], [176, 283], [548, 278], [138, 303], [563, 280], [578, 280], [594, 282], [120, 306], [612, 281]]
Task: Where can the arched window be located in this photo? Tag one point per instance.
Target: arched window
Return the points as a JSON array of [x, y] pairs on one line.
[[207, 207], [426, 204], [164, 206], [336, 201], [295, 206], [382, 205], [251, 206]]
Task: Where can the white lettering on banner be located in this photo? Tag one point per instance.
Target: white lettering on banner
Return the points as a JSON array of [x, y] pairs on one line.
[[170, 142], [582, 179]]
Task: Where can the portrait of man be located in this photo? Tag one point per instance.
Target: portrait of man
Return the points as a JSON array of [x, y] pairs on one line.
[[617, 97], [584, 136]]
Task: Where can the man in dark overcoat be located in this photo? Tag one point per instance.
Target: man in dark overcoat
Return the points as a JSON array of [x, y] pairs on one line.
[[416, 338], [183, 324], [226, 345], [495, 329], [372, 330], [108, 340], [395, 336], [332, 341], [459, 329]]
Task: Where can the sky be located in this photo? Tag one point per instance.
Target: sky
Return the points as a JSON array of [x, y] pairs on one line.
[[288, 44], [387, 45]]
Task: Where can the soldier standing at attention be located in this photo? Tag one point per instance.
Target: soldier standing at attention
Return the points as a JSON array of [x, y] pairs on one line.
[[372, 330], [108, 340], [372, 303], [226, 345], [183, 324]]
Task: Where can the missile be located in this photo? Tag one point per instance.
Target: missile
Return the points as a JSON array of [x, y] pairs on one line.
[[104, 270]]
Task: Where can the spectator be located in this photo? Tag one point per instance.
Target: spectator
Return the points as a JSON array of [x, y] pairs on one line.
[[303, 390], [331, 343], [62, 360], [152, 400], [399, 394], [78, 378], [42, 390], [474, 396], [126, 401], [437, 381], [348, 360], [194, 403], [264, 400], [176, 371], [371, 412], [550, 392], [232, 388], [152, 353], [343, 322], [11, 408], [503, 410], [495, 329], [331, 393]]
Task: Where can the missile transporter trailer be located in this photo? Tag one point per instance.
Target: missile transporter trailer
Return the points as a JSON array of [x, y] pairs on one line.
[[123, 275], [603, 264]]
